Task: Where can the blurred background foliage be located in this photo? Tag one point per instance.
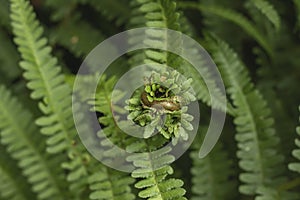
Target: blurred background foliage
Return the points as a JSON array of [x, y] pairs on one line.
[[258, 37]]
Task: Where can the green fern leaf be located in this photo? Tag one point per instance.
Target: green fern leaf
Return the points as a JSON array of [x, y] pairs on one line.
[[24, 144], [198, 83], [48, 85], [266, 8], [164, 14], [110, 184], [107, 183], [206, 176], [13, 184], [296, 154], [263, 165], [152, 170], [234, 17]]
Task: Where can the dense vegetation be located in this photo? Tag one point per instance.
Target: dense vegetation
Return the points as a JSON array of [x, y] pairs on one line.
[[255, 45]]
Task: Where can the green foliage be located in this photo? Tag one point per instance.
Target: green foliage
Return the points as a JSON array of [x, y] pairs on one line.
[[296, 154], [263, 167], [48, 86], [25, 146], [153, 169], [13, 183], [206, 179], [162, 108], [41, 155], [269, 11], [108, 183], [236, 18]]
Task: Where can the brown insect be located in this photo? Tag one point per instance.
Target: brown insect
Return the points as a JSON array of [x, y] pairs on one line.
[[171, 105]]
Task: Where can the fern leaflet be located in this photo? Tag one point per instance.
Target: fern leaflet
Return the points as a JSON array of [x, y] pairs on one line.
[[263, 165], [107, 183], [234, 17], [296, 154], [24, 144], [266, 8], [48, 85], [206, 176], [13, 184]]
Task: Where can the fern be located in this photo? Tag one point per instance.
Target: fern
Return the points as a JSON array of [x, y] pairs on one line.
[[206, 178], [13, 184], [263, 167], [266, 8], [19, 135], [48, 86], [110, 184], [154, 183], [153, 169], [107, 183], [234, 17], [41, 156], [296, 154], [201, 89]]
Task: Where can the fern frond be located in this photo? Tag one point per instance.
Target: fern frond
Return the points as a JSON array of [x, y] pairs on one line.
[[164, 14], [257, 140], [199, 85], [48, 85], [24, 144], [153, 169], [13, 184], [212, 173], [154, 183], [267, 9], [110, 184], [296, 153], [106, 183], [234, 17]]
